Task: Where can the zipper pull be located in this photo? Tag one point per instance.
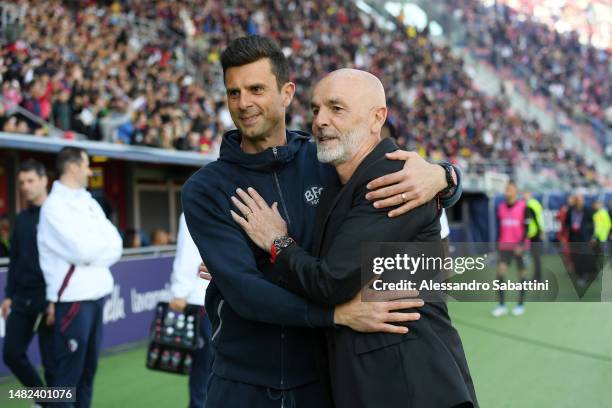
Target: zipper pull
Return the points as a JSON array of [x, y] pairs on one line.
[[275, 152]]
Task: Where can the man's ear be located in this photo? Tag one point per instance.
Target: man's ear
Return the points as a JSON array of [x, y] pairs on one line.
[[288, 90], [379, 117]]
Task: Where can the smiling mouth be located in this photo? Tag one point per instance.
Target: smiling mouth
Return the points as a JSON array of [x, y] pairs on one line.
[[249, 120], [323, 139]]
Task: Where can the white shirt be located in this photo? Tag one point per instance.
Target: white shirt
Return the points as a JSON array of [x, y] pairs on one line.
[[185, 282], [73, 230], [444, 228]]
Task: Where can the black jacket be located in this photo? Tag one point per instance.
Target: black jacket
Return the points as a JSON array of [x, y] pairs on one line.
[[25, 278], [586, 228], [425, 368]]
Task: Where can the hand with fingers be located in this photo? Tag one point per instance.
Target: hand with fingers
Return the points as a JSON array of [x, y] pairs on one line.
[[203, 272], [417, 183], [178, 304], [261, 222], [5, 308], [371, 311], [50, 319]]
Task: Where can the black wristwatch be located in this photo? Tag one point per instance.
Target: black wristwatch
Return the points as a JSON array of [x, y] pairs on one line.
[[278, 245], [451, 178]]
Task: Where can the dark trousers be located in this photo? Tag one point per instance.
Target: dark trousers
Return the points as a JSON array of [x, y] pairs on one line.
[[20, 323], [584, 260], [202, 361], [536, 255], [223, 393], [78, 337]]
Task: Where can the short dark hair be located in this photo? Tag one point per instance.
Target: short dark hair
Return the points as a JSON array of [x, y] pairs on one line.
[[245, 50], [33, 165], [68, 154]]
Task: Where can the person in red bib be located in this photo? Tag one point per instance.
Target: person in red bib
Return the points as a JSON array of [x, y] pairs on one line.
[[512, 231]]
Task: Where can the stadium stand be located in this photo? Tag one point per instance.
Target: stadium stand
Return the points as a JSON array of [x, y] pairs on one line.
[[573, 74], [101, 75]]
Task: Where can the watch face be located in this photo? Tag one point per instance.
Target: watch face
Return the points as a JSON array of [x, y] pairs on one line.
[[283, 242]]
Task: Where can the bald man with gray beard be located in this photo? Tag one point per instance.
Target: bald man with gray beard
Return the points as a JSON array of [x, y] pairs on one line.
[[425, 367]]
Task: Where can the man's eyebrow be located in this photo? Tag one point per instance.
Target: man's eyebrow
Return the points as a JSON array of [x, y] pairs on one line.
[[334, 101]]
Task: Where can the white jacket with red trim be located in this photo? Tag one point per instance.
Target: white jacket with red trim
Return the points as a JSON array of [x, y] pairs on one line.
[[73, 230], [186, 284]]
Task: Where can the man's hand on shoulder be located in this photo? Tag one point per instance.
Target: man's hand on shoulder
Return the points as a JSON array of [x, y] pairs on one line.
[[414, 185]]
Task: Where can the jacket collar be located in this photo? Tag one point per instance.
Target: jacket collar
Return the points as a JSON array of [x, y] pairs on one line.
[[61, 189], [267, 160]]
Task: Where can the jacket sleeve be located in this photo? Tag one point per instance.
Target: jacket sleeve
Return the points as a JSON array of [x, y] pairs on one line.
[[336, 278], [9, 289], [186, 262], [228, 256], [111, 246]]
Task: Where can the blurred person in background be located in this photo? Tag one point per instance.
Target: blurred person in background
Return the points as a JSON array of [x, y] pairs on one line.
[[579, 222], [602, 225], [188, 289], [160, 237], [5, 240], [77, 245], [25, 307], [511, 234], [535, 232], [563, 233], [131, 239], [610, 236]]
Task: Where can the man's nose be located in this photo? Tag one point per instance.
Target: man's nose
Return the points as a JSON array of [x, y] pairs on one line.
[[321, 119], [245, 101]]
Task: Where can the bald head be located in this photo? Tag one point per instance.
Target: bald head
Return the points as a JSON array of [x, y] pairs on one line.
[[349, 111], [363, 88]]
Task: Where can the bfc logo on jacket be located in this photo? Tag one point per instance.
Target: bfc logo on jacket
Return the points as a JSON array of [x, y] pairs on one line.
[[312, 195]]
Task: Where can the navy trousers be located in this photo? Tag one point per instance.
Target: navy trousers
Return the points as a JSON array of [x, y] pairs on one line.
[[78, 338], [25, 311], [202, 361]]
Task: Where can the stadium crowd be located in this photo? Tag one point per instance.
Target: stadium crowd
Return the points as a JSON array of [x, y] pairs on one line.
[[574, 75], [98, 75]]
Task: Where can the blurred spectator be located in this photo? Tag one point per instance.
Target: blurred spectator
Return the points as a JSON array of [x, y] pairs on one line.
[[579, 222], [4, 236], [159, 237], [131, 239], [558, 65]]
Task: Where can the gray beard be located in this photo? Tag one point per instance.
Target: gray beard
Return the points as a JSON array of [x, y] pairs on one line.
[[348, 145]]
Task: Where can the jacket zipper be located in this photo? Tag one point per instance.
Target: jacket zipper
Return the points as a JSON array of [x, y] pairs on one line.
[[278, 187], [282, 336], [216, 333], [282, 381]]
